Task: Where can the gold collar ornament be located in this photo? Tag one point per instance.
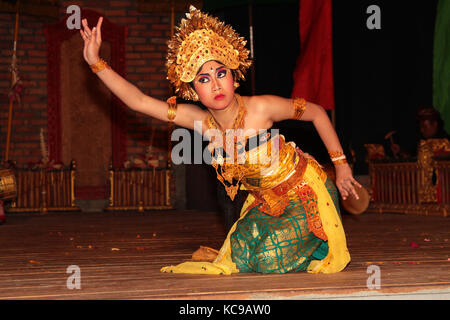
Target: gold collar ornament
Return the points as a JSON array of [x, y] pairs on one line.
[[198, 39], [231, 172]]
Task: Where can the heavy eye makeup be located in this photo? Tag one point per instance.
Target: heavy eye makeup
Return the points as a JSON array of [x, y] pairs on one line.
[[203, 79], [221, 73]]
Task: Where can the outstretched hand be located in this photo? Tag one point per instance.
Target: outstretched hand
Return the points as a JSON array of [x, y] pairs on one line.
[[92, 41], [345, 181]]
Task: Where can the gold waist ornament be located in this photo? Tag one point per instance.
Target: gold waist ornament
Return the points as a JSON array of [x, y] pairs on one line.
[[261, 168]]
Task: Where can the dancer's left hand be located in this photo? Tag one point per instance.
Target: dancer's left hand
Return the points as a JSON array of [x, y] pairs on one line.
[[345, 181]]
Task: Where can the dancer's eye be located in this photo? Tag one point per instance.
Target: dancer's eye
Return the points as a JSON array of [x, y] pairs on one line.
[[221, 73], [203, 79]]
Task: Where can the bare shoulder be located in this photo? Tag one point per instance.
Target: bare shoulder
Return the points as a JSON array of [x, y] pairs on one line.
[[261, 103], [272, 107]]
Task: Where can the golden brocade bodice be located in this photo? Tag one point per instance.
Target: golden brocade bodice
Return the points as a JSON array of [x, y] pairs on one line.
[[259, 162], [270, 163]]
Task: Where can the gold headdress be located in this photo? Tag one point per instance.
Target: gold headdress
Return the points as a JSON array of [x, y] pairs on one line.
[[201, 38]]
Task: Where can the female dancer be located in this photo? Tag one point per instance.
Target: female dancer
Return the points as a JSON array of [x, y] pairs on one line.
[[290, 221]]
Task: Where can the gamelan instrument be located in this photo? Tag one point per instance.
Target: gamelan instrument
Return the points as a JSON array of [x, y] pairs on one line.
[[8, 189]]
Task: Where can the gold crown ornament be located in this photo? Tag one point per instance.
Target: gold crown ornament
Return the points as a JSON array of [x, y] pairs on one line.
[[198, 39]]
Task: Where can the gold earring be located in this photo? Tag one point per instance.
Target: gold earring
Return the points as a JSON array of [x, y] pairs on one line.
[[236, 85], [194, 95]]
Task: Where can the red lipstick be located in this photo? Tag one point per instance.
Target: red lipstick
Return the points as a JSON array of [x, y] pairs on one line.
[[219, 97]]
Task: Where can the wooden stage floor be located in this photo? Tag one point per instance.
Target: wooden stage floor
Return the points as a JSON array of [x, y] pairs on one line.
[[119, 256]]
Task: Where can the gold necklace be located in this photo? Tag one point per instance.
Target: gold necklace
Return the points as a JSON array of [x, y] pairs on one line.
[[230, 171]]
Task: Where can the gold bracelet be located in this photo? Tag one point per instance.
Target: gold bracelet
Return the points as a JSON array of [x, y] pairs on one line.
[[335, 154], [172, 110], [337, 157], [340, 161], [99, 66], [299, 108]]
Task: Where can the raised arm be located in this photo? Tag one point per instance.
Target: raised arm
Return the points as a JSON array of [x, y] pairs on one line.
[[278, 109], [129, 93]]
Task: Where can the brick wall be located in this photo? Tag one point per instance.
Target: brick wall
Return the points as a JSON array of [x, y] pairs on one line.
[[145, 58], [31, 114]]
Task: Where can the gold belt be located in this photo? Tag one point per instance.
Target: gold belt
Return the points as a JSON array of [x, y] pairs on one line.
[[294, 179], [275, 198]]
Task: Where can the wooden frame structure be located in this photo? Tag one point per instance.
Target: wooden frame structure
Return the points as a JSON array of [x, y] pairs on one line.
[[139, 189], [419, 187], [45, 189]]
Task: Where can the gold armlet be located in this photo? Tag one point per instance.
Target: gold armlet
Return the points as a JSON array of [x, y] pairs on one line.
[[99, 66], [299, 108], [172, 110]]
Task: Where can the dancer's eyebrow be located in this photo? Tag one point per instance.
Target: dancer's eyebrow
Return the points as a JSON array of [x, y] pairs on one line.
[[207, 74]]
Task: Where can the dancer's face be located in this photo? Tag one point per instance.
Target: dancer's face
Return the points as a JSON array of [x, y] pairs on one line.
[[214, 85]]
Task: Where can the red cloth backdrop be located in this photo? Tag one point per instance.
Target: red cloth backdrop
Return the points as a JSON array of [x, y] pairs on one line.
[[313, 75]]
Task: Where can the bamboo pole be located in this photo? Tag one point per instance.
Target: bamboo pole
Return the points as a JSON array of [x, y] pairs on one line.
[[8, 136]]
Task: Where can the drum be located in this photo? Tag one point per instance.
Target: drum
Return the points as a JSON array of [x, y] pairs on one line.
[[8, 186]]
